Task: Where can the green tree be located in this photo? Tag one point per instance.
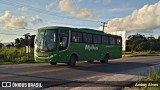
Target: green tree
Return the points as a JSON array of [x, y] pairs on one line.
[[141, 43], [158, 38], [17, 43], [27, 40], [136, 42], [32, 40], [9, 45], [1, 45]]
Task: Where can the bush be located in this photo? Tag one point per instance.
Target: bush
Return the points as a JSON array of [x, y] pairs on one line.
[[154, 76], [15, 55]]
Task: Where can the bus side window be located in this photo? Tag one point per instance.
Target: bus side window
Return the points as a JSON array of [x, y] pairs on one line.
[[76, 37], [63, 41], [118, 41], [97, 39], [112, 41], [105, 40], [64, 35], [87, 38]]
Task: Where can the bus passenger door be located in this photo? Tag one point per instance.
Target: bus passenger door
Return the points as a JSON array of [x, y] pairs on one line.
[[63, 45]]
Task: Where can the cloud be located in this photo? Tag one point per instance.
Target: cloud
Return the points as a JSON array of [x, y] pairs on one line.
[[66, 6], [105, 2], [35, 20], [50, 6], [23, 8], [120, 9], [144, 19], [9, 21]]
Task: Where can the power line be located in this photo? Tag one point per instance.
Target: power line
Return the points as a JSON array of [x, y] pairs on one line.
[[44, 11], [104, 23], [39, 11], [71, 24], [15, 28], [19, 30], [10, 34]]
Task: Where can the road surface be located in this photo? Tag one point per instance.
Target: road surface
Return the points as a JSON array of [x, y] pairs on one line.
[[126, 69]]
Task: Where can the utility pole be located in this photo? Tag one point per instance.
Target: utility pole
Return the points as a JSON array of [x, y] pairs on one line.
[[103, 25]]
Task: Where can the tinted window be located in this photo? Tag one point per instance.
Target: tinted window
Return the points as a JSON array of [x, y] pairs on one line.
[[64, 33], [64, 38], [87, 38], [112, 40], [105, 40], [96, 39], [76, 37], [118, 41]]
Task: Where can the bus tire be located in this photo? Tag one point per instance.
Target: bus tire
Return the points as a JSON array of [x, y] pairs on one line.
[[72, 61], [53, 63], [105, 59]]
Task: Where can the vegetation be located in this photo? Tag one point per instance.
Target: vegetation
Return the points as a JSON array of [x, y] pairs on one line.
[[137, 45], [141, 43], [15, 55], [144, 53], [154, 76], [1, 45], [22, 42]]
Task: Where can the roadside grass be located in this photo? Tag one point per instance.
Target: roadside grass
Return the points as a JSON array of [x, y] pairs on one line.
[[136, 54], [6, 63], [15, 55], [19, 62], [154, 77]]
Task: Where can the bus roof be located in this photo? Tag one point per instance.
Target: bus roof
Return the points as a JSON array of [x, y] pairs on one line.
[[86, 30]]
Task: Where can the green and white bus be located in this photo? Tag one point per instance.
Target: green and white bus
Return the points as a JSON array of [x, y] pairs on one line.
[[57, 44]]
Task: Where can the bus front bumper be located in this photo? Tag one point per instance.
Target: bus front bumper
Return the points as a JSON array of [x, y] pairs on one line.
[[45, 58]]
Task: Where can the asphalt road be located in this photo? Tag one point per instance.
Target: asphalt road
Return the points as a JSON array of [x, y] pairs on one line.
[[125, 69]]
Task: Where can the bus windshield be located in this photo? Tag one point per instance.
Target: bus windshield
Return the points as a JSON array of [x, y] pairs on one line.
[[46, 40]]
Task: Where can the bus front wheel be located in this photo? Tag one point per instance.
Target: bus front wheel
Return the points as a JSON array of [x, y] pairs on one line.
[[53, 63], [105, 59], [72, 61]]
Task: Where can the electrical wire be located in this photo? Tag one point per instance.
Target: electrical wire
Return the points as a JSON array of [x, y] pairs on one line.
[[10, 34], [17, 4]]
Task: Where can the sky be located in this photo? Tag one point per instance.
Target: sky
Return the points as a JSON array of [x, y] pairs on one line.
[[18, 17]]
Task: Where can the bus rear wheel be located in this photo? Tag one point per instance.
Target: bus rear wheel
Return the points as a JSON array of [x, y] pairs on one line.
[[105, 59], [72, 61], [53, 63]]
